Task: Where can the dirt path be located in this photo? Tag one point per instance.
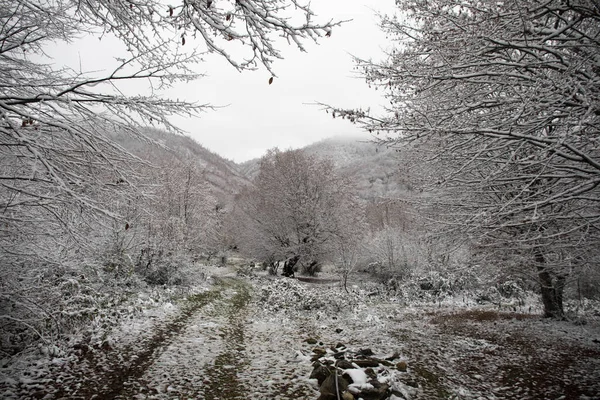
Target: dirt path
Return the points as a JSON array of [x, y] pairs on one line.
[[113, 373], [249, 339], [220, 346], [231, 350], [206, 357]]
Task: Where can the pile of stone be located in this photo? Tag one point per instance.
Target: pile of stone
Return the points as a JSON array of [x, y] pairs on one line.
[[348, 375]]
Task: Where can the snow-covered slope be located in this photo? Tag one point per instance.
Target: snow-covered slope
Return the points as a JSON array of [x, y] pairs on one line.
[[224, 175], [377, 171]]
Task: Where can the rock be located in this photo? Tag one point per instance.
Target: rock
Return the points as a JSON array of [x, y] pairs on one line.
[[365, 352], [340, 346], [393, 357], [315, 358], [412, 383], [320, 373], [344, 364], [367, 363], [356, 376], [347, 396], [401, 366], [348, 378], [380, 391], [328, 387], [319, 350], [338, 330], [371, 373], [311, 341], [318, 353]]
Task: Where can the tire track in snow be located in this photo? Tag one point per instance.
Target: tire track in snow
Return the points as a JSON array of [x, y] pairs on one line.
[[232, 350], [221, 345], [221, 377], [117, 375]]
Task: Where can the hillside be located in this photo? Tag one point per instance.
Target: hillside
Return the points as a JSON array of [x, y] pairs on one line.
[[223, 175], [376, 170]]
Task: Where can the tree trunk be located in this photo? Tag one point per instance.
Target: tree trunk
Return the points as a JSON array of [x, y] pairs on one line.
[[345, 280], [552, 289], [288, 266]]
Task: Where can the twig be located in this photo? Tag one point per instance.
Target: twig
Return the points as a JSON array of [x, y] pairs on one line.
[[27, 325], [337, 388]]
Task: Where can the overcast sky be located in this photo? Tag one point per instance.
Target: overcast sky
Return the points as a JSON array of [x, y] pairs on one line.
[[260, 116]]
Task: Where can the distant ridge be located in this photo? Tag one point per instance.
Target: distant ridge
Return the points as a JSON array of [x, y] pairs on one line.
[[224, 176], [376, 170]]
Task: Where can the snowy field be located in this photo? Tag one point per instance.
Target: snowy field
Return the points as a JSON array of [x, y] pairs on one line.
[[259, 337]]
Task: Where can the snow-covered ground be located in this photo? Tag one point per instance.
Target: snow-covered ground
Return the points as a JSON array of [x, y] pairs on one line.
[[257, 337]]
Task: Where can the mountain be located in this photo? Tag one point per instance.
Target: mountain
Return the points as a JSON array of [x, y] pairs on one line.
[[377, 171], [224, 176]]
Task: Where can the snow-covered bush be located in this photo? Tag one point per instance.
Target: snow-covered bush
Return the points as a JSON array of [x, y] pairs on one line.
[[434, 285], [246, 270], [165, 270], [499, 291], [289, 295], [56, 302], [393, 253]]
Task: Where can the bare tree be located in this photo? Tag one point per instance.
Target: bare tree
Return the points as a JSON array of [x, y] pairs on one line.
[[62, 174], [348, 240], [58, 122], [505, 97], [295, 209]]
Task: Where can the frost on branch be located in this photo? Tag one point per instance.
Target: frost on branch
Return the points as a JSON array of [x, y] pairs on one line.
[[63, 172], [503, 98]]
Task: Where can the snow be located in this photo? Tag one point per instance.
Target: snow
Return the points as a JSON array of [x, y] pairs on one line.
[[250, 340], [359, 377]]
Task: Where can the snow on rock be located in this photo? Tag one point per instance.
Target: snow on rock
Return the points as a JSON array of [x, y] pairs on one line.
[[358, 376], [271, 338]]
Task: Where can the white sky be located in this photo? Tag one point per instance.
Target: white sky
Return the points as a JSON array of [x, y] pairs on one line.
[[260, 116]]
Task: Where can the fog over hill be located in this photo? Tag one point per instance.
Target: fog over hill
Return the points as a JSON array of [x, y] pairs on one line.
[[376, 170]]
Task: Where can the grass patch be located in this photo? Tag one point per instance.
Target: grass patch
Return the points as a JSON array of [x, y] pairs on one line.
[[431, 383], [222, 376]]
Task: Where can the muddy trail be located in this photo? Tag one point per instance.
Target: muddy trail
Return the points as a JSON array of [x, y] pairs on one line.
[[219, 346], [113, 373], [222, 377], [258, 338]]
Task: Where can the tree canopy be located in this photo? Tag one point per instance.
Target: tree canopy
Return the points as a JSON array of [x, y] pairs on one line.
[[505, 97], [58, 124], [297, 207]]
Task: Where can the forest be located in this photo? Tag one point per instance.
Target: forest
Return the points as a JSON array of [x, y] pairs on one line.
[[453, 251]]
